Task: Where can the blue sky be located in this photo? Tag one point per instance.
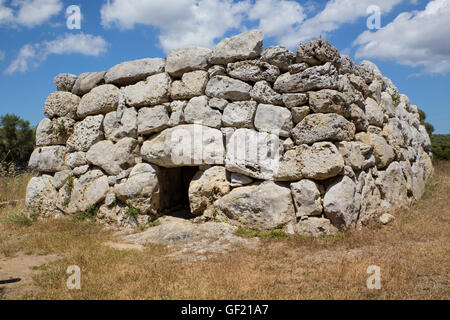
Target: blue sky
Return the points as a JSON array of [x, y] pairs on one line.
[[412, 47]]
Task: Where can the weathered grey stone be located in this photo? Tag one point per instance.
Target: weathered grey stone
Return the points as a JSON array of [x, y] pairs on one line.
[[278, 56], [298, 67], [228, 88], [118, 126], [253, 70], [375, 89], [374, 113], [329, 101], [353, 155], [192, 84], [323, 126], [100, 100], [87, 81], [299, 113], [392, 185], [239, 180], [130, 72], [141, 189], [85, 134], [65, 81], [206, 187], [263, 93], [61, 104], [54, 132], [60, 178], [198, 111], [253, 153], [177, 112], [306, 196], [112, 158], [315, 227], [239, 114], [384, 153], [88, 190], [78, 171], [217, 70], [273, 119], [347, 65], [184, 60], [341, 203], [265, 206], [359, 118], [368, 71], [153, 119], [41, 196], [185, 145], [372, 205], [76, 159], [318, 52], [320, 161], [48, 159], [153, 91], [217, 103], [386, 218], [314, 78], [292, 100], [244, 46]]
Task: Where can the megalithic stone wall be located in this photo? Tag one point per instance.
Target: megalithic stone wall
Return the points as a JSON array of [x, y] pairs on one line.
[[306, 142]]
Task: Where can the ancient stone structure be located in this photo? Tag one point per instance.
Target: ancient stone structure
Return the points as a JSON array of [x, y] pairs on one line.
[[307, 142]]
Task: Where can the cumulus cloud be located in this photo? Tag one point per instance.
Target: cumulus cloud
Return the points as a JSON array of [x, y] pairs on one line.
[[182, 23], [29, 13], [417, 38], [31, 55]]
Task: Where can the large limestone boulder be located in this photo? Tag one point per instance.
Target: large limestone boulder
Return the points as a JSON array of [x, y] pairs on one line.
[[253, 70], [113, 158], [41, 196], [198, 111], [48, 159], [61, 104], [86, 133], [130, 72], [141, 189], [100, 100], [314, 78], [318, 52], [329, 101], [87, 81], [184, 60], [393, 185], [76, 159], [152, 119], [306, 196], [383, 152], [65, 81], [264, 206], [374, 113], [244, 46], [206, 187], [262, 92], [341, 203], [357, 155], [88, 190], [153, 91], [372, 205], [323, 126], [278, 56], [252, 153], [274, 119], [185, 145], [192, 84], [292, 100], [239, 114], [315, 227], [54, 132], [227, 88], [118, 125]]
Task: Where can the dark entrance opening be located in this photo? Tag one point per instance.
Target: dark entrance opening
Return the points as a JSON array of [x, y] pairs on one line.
[[174, 191]]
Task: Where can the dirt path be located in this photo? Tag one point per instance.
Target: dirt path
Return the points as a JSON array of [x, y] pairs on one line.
[[21, 267]]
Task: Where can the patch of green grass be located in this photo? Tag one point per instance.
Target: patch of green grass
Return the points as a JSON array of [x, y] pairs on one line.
[[132, 211], [249, 233], [69, 182], [62, 130], [17, 219], [88, 214], [154, 223], [395, 99]]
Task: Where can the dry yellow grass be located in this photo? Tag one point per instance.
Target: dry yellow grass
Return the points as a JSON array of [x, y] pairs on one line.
[[13, 188], [412, 252]]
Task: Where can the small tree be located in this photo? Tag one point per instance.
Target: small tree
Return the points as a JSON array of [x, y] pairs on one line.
[[16, 140], [428, 126]]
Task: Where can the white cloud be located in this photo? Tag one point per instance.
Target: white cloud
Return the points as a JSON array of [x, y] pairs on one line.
[[417, 38], [2, 55], [182, 22], [335, 14], [31, 55], [29, 13]]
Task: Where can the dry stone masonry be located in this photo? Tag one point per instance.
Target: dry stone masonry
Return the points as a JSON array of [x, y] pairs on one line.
[[307, 142]]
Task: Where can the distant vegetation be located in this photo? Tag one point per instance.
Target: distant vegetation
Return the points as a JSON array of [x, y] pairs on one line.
[[440, 146], [16, 140]]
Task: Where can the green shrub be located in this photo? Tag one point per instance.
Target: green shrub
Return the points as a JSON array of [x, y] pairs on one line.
[[440, 146], [88, 214], [18, 219]]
